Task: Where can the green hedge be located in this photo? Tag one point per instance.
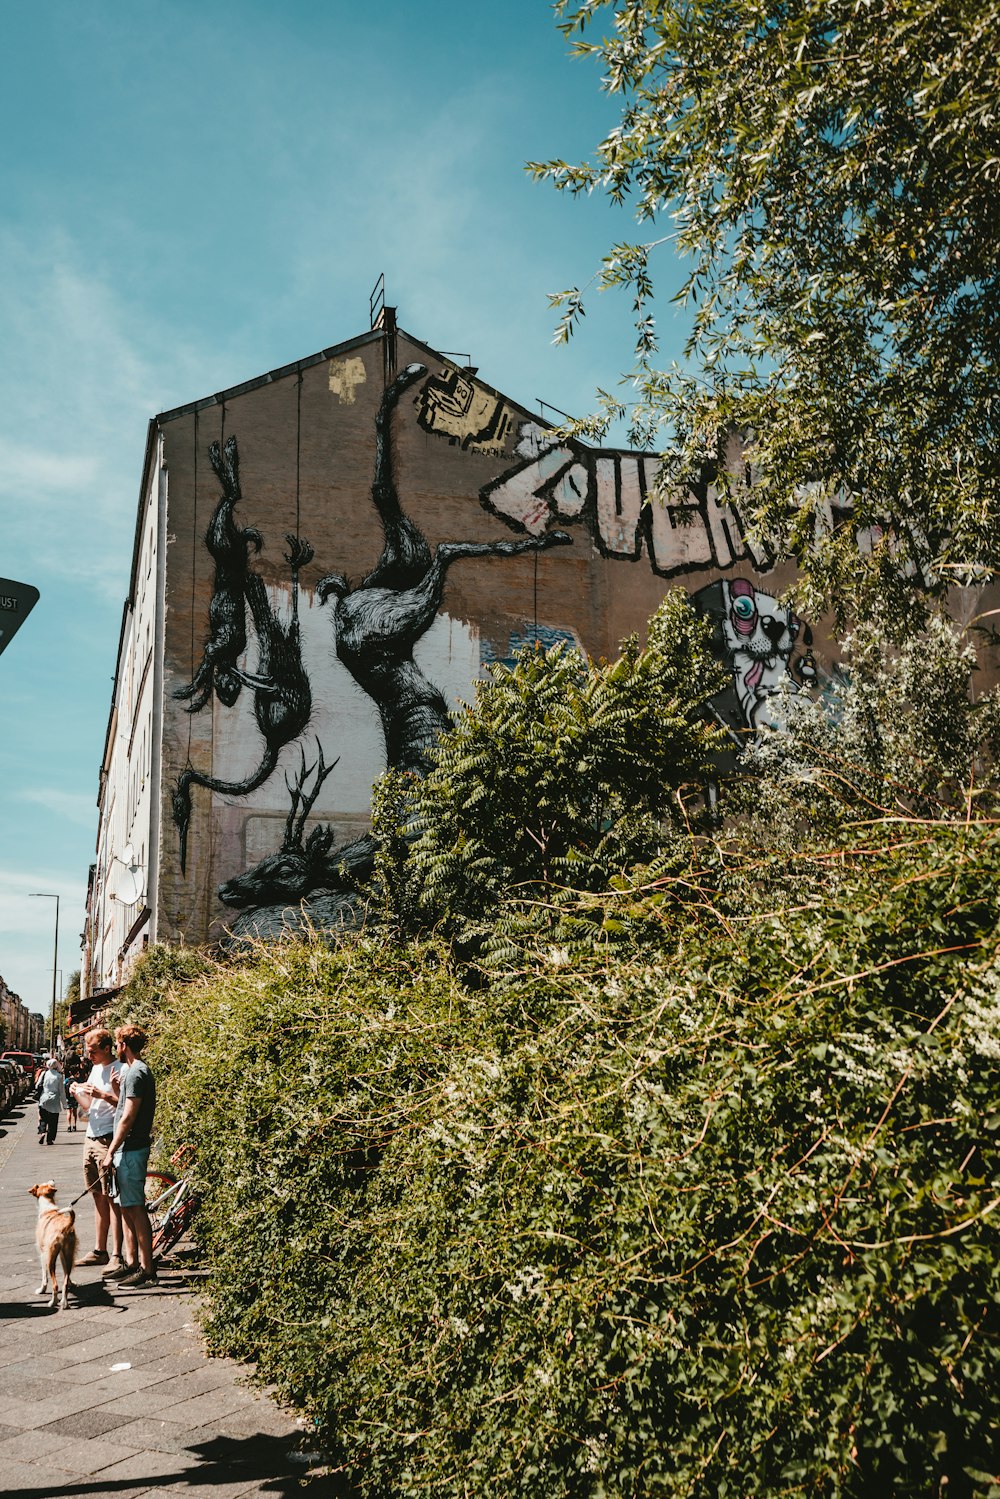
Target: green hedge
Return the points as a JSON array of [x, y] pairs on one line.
[[718, 1222]]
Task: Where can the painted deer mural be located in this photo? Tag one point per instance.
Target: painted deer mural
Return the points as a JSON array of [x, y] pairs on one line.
[[301, 866]]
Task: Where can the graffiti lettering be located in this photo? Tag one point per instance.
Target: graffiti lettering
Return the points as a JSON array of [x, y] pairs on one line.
[[611, 492]]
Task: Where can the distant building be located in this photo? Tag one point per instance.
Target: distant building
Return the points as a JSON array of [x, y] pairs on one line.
[[326, 559], [23, 1030]]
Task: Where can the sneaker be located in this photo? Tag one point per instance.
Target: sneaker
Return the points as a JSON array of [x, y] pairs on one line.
[[95, 1257], [139, 1278], [120, 1270]]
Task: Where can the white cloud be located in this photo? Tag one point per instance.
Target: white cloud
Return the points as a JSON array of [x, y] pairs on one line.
[[73, 806], [35, 469], [27, 930], [82, 374]]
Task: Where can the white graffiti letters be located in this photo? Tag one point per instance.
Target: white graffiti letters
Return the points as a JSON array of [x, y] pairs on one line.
[[612, 492]]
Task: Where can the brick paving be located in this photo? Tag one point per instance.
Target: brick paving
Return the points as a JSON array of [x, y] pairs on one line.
[[175, 1422]]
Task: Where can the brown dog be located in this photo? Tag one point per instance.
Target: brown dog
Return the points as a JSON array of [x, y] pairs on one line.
[[56, 1240]]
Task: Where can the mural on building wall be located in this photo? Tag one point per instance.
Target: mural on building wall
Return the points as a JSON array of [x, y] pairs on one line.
[[230, 546], [280, 686], [762, 643], [301, 865], [612, 494], [455, 406], [542, 637], [376, 625]]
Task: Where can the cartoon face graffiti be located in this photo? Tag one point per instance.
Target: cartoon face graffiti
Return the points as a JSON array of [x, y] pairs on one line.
[[760, 641], [759, 637]]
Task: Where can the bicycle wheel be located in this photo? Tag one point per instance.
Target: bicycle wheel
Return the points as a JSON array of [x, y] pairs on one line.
[[173, 1226], [159, 1196], [158, 1182]]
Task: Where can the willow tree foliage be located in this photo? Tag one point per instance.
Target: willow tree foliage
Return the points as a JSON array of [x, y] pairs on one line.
[[830, 170]]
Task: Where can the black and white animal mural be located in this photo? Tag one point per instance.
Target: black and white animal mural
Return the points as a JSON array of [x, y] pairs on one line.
[[377, 624], [282, 694], [374, 627], [336, 680]]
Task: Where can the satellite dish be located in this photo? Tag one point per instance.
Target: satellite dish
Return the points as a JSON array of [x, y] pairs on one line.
[[131, 885], [127, 855]]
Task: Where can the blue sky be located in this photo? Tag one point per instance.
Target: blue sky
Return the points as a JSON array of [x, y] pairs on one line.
[[193, 195]]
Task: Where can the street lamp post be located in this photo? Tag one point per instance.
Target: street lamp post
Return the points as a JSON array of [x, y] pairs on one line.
[[46, 895]]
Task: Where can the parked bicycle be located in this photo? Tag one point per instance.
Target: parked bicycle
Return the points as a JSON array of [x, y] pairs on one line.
[[171, 1202]]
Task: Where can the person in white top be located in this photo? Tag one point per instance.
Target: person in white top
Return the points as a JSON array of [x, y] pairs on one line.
[[99, 1094]]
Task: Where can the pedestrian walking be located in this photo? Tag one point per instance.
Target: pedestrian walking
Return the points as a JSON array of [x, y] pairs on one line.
[[72, 1072], [99, 1094], [128, 1152], [51, 1095]]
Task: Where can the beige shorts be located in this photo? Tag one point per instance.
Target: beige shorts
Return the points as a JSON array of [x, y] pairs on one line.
[[94, 1174]]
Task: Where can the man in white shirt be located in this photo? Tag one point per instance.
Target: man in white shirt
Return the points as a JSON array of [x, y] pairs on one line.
[[100, 1093]]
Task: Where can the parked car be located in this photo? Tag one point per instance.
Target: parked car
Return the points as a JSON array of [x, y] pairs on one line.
[[26, 1059], [10, 1086]]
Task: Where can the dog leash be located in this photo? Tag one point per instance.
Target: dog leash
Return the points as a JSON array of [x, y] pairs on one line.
[[94, 1188], [82, 1194]]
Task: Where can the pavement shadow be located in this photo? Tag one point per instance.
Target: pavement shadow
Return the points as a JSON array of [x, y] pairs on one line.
[[91, 1293], [20, 1309], [278, 1465]]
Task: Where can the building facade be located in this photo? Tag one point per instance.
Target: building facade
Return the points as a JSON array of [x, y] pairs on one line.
[[326, 560], [20, 1029]]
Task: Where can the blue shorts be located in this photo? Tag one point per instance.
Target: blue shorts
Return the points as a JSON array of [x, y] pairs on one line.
[[129, 1189]]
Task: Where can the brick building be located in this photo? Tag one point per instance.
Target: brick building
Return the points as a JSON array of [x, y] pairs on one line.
[[326, 559]]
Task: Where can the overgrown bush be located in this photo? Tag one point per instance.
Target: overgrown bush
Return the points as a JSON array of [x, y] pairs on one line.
[[899, 729], [563, 774], [720, 1220], [158, 969]]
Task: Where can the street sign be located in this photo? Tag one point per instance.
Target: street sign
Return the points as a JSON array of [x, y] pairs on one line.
[[16, 602]]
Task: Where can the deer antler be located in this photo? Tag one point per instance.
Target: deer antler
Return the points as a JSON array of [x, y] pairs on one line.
[[295, 825]]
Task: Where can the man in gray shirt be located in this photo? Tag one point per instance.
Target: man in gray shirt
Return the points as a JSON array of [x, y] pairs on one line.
[[128, 1152]]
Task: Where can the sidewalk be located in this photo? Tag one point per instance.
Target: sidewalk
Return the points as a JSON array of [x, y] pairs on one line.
[[172, 1422]]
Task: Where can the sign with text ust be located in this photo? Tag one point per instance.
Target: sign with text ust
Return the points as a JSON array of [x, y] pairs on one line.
[[16, 602]]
